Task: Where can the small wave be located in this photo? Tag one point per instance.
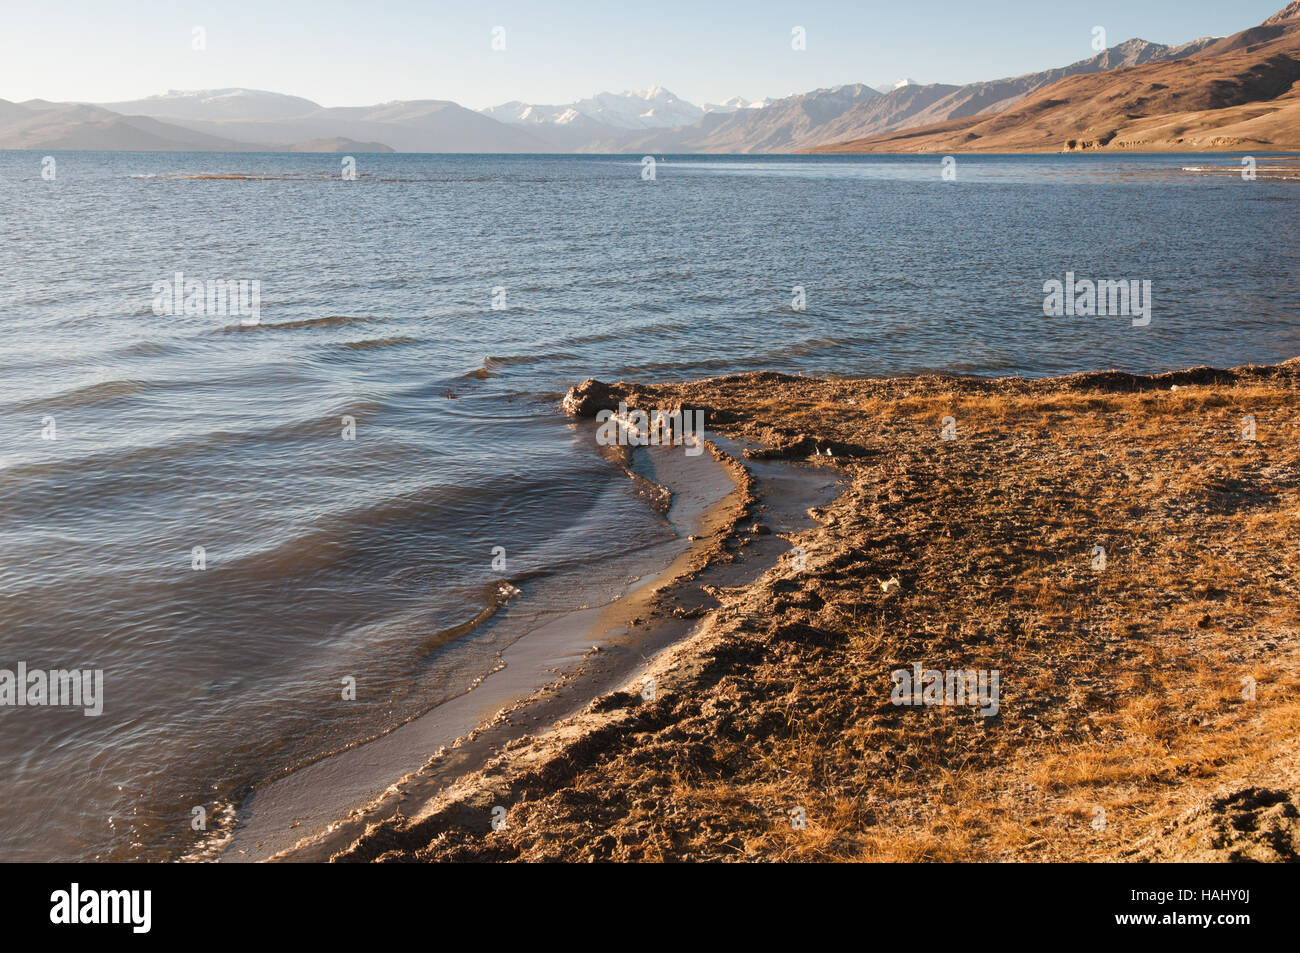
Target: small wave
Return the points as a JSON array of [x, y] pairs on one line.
[[494, 597], [148, 348], [804, 348], [333, 321], [796, 349], [221, 830], [157, 465], [101, 392], [684, 367], [369, 344], [620, 334], [493, 361], [493, 364]]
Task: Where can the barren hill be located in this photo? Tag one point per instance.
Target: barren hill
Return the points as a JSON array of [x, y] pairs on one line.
[[1237, 93]]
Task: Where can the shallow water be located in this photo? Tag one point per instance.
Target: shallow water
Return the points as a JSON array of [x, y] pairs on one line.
[[328, 557]]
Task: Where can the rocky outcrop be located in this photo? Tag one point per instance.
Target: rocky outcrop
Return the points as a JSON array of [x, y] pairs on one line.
[[589, 398]]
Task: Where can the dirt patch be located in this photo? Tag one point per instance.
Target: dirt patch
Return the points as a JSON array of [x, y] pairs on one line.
[[1250, 824]]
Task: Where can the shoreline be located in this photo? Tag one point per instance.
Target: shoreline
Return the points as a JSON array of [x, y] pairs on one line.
[[543, 677], [1122, 692]]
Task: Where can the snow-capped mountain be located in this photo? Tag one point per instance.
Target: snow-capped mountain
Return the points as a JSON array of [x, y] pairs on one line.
[[524, 114], [890, 87], [653, 108], [735, 104], [782, 126]]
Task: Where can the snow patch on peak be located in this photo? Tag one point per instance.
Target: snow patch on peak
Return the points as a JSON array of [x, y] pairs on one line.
[[735, 104], [901, 84]]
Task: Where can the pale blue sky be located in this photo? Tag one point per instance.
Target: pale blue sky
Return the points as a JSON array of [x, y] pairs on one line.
[[341, 52]]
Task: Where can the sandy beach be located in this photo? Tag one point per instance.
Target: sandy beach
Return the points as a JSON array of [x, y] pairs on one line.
[[1118, 550]]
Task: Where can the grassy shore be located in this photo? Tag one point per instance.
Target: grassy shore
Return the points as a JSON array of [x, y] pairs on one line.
[[1126, 727]]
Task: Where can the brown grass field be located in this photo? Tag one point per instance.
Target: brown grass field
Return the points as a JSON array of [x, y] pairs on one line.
[[1123, 689]]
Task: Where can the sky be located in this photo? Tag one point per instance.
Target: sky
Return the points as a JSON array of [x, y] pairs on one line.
[[349, 53]]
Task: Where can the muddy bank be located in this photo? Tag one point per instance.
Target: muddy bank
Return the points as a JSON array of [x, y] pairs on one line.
[[1121, 550]]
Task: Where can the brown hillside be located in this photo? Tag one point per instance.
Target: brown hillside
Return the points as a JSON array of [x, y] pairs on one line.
[[1238, 93]]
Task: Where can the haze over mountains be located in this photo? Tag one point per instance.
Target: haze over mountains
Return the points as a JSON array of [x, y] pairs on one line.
[[1110, 100]]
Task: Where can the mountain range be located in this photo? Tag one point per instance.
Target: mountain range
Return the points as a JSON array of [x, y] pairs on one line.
[[1229, 94], [1211, 93]]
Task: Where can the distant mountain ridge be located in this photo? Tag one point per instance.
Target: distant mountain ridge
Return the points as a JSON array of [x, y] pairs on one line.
[[778, 127], [426, 125], [217, 104], [38, 124], [1010, 114], [848, 112]]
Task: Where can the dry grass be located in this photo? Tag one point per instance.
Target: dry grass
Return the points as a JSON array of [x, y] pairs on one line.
[[1122, 687]]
